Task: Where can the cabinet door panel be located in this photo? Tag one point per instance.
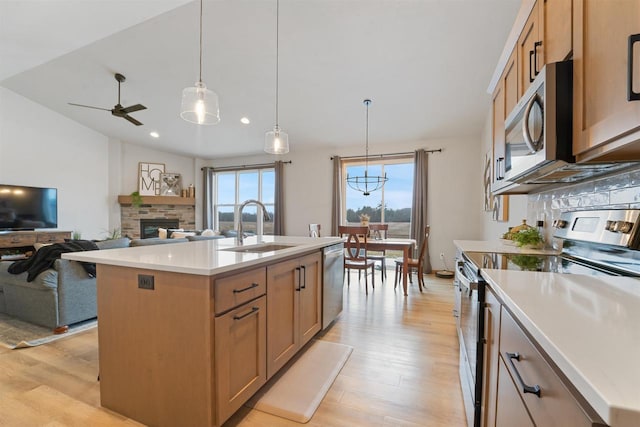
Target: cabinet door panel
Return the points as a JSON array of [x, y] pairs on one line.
[[240, 356], [282, 308], [602, 113], [491, 360], [510, 410], [528, 63], [557, 30], [498, 130], [510, 79], [310, 299]]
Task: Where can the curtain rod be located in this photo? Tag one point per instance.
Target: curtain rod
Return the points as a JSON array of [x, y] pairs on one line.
[[240, 167], [438, 150]]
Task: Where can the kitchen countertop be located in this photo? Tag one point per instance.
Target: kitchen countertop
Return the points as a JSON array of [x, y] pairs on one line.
[[588, 325], [204, 257], [498, 246]]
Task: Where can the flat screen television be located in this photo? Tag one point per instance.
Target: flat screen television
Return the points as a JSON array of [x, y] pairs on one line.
[[28, 208]]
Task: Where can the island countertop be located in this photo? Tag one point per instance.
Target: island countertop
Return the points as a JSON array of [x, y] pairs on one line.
[[588, 325], [205, 257], [500, 246]]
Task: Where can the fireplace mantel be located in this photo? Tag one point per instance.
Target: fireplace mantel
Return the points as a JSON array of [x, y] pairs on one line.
[[160, 200]]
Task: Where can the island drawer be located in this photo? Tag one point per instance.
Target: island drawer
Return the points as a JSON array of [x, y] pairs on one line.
[[555, 405], [231, 291]]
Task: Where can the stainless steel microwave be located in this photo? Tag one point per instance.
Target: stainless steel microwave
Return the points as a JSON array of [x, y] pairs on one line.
[[538, 138], [538, 130]]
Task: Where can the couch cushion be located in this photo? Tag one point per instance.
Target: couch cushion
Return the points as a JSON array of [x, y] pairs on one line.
[[201, 237], [122, 242], [156, 241], [47, 280]]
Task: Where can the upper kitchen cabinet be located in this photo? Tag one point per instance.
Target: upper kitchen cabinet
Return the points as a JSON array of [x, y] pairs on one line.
[[557, 30], [530, 48], [606, 55], [505, 98]]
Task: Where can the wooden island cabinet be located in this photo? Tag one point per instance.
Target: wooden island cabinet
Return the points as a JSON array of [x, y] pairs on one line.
[[188, 349]]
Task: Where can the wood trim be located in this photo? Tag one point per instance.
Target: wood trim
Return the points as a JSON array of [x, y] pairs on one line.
[[160, 200]]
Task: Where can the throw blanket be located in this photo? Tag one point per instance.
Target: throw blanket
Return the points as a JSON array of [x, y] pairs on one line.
[[44, 258]]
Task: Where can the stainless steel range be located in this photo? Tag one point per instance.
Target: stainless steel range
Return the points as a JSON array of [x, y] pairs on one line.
[[594, 243]]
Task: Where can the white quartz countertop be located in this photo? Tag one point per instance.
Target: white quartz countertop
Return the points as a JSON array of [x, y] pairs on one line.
[[499, 246], [205, 257], [589, 326]]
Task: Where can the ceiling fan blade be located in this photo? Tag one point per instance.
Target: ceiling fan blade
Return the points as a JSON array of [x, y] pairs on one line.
[[89, 106], [132, 120], [133, 108]]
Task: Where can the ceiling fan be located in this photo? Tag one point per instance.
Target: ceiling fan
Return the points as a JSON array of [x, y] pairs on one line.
[[118, 110]]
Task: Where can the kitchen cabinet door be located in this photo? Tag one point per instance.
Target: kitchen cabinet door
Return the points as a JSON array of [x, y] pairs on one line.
[[498, 133], [557, 30], [283, 340], [605, 122], [492, 358], [310, 299], [510, 409], [530, 50], [510, 81], [240, 356]]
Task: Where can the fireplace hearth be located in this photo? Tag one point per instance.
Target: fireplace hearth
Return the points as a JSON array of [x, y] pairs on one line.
[[149, 226]]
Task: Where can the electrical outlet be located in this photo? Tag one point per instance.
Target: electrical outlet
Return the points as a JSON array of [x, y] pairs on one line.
[[146, 282], [441, 255]]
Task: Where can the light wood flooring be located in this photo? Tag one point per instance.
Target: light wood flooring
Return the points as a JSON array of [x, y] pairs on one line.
[[403, 370]]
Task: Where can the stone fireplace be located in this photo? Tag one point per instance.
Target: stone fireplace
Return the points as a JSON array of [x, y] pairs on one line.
[[130, 218]]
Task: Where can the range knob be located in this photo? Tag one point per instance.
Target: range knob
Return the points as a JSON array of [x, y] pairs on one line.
[[559, 223], [622, 227]]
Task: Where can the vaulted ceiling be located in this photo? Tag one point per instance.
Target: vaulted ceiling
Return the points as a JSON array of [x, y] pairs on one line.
[[426, 65]]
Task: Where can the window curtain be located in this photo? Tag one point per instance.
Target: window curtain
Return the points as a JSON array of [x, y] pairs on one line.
[[419, 219], [336, 201], [278, 208], [207, 197]]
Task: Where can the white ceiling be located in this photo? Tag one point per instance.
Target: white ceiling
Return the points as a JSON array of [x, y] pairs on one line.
[[425, 64]]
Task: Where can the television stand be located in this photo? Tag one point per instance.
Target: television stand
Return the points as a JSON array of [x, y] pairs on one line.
[[21, 242]]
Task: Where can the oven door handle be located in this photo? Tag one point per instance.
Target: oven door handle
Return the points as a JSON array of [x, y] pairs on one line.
[[464, 280]]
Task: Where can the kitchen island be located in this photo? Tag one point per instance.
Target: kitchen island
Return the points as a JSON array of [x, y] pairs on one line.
[[188, 332]]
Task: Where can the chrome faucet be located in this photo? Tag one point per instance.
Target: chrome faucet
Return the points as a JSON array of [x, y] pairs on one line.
[[265, 215]]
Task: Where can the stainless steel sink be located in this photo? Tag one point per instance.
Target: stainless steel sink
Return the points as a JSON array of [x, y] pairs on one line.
[[263, 247]]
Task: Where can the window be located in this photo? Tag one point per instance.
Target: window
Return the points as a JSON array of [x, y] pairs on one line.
[[232, 189], [396, 195]]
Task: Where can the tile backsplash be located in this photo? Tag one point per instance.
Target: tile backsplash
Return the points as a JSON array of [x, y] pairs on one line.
[[617, 191]]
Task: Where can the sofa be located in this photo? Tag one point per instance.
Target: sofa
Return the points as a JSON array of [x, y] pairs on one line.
[[64, 294]]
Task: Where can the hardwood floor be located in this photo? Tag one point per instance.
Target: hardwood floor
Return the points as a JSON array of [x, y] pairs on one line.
[[403, 370]]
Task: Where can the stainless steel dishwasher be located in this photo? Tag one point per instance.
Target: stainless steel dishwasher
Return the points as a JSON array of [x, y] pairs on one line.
[[332, 283]]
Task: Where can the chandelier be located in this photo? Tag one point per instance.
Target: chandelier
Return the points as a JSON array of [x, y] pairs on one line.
[[367, 183]]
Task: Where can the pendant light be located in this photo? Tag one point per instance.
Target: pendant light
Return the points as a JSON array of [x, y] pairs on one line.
[[276, 141], [366, 184], [199, 104]]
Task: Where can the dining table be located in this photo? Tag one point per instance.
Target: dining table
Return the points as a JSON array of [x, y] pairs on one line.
[[392, 244]]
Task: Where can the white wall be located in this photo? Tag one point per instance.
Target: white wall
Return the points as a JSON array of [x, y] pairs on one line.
[[452, 189], [42, 148]]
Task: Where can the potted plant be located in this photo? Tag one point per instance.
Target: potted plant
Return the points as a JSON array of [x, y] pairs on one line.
[[136, 199]]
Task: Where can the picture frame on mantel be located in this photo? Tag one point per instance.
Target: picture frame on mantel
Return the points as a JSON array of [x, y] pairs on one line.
[[149, 178]]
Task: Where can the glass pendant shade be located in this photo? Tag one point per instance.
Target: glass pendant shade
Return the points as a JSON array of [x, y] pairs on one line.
[[276, 141], [200, 105]]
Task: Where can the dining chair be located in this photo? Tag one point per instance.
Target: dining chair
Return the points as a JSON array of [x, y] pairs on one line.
[[356, 253], [379, 231], [314, 230], [413, 263]]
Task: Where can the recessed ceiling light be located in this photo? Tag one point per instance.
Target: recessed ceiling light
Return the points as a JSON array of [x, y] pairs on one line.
[[245, 121], [154, 134]]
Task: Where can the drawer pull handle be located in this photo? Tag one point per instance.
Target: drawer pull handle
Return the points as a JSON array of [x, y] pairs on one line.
[[631, 95], [525, 388], [253, 310], [253, 285]]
